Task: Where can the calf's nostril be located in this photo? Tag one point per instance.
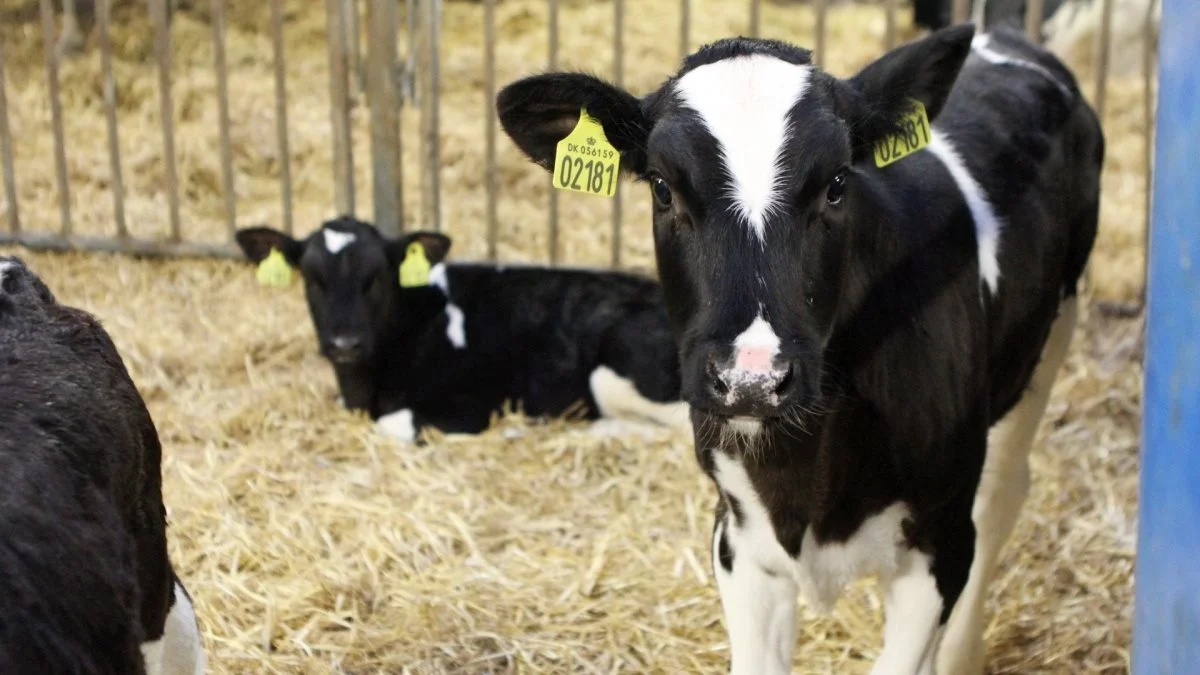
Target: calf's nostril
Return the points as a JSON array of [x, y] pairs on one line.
[[785, 380], [713, 372]]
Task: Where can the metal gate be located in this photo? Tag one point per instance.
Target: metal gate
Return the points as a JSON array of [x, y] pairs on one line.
[[391, 79]]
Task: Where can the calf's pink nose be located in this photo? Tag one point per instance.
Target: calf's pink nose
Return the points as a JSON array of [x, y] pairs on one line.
[[753, 359]]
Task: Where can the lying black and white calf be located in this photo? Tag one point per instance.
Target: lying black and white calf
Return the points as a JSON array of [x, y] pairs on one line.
[[851, 333], [85, 582], [451, 344]]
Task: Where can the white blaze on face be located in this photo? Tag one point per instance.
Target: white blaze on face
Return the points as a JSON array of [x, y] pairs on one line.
[[336, 240], [744, 102]]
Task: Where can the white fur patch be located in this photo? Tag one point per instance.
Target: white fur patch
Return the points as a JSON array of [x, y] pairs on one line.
[[758, 334], [745, 102], [437, 278], [761, 338], [617, 397], [398, 425], [456, 332], [982, 46], [336, 240], [180, 650], [5, 266], [912, 607], [987, 223], [746, 427], [823, 570]]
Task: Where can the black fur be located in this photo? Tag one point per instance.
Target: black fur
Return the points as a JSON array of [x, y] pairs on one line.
[[85, 574], [900, 359], [533, 335]]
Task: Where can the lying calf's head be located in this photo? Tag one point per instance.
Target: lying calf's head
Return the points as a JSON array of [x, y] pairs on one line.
[[352, 281], [759, 166]]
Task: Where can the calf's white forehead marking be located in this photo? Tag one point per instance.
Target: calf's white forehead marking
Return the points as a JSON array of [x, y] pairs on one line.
[[987, 223], [744, 103], [336, 240]]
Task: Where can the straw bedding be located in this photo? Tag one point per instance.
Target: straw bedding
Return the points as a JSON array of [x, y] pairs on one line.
[[314, 546]]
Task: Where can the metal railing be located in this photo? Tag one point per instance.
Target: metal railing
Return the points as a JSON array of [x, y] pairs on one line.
[[389, 81]]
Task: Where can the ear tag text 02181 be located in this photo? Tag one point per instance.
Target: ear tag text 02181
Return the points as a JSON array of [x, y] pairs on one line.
[[414, 271], [274, 270], [585, 161], [915, 133]]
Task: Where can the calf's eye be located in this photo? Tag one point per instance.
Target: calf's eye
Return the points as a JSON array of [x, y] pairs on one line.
[[837, 189], [662, 191]]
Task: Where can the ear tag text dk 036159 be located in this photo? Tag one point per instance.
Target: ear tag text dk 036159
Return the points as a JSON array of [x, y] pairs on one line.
[[585, 161]]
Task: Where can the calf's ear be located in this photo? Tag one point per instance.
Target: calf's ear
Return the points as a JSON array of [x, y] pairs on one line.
[[539, 111], [257, 242], [436, 246], [874, 101]]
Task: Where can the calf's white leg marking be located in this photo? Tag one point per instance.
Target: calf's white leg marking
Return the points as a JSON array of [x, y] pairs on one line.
[[398, 425], [987, 223], [912, 607], [617, 397], [336, 240], [180, 650], [1003, 487], [744, 103], [759, 595]]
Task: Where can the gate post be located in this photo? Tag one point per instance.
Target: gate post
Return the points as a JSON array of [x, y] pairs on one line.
[[1166, 630]]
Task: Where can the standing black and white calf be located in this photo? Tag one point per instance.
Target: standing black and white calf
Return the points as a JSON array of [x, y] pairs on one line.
[[849, 335], [85, 582], [451, 350]]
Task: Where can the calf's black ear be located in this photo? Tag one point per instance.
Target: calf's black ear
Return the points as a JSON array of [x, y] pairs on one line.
[[257, 242], [539, 111], [875, 100], [436, 246]]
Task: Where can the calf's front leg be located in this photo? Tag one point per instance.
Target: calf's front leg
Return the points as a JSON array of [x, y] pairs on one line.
[[759, 606]]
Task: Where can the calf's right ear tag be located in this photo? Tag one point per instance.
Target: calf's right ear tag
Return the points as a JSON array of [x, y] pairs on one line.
[[913, 135], [414, 271], [274, 270], [585, 161]]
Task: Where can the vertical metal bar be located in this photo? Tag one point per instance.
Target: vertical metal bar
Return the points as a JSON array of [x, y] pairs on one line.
[[1102, 57], [889, 31], [489, 114], [1035, 11], [103, 19], [410, 17], [339, 110], [430, 33], [755, 17], [961, 9], [553, 49], [619, 80], [1166, 620], [385, 116], [162, 47], [60, 153], [1148, 130], [10, 177], [354, 44], [281, 120], [685, 28], [822, 9], [218, 29]]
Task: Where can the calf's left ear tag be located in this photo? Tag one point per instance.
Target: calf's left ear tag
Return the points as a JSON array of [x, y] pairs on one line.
[[585, 161], [274, 270], [414, 271]]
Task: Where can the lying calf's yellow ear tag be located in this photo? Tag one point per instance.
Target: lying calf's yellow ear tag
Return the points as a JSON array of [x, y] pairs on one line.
[[585, 161], [414, 271], [914, 134], [274, 270]]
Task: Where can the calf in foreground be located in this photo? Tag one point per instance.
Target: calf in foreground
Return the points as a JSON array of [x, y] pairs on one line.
[[86, 585], [415, 341], [850, 335]]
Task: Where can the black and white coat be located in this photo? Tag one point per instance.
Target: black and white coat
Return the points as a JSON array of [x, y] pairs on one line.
[[451, 353], [850, 336], [86, 585]]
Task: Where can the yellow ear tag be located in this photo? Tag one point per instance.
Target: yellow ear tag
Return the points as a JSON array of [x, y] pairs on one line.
[[274, 270], [414, 271], [585, 161], [914, 134]]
